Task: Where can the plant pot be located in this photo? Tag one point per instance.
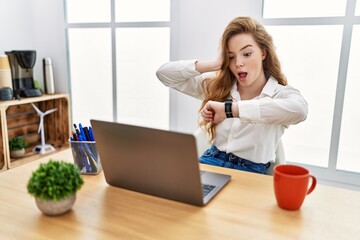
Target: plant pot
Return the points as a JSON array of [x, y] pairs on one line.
[[53, 208], [17, 153]]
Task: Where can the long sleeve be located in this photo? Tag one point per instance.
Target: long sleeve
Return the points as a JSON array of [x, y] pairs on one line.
[[287, 106], [182, 76]]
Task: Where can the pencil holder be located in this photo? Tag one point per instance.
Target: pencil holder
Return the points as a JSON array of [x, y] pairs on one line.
[[86, 157]]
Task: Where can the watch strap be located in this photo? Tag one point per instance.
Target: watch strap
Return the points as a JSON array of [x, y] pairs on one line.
[[228, 108]]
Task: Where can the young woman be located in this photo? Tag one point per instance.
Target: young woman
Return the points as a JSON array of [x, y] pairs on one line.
[[247, 103]]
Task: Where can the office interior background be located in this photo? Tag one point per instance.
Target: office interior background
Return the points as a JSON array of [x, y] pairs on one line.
[[105, 54]]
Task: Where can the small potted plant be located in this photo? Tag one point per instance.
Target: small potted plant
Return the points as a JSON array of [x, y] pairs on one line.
[[54, 185], [17, 147]]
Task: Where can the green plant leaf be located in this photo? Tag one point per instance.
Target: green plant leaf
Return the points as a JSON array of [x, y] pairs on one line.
[[17, 143], [55, 180]]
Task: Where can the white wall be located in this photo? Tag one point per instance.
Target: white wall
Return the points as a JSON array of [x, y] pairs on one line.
[[198, 27], [15, 25], [36, 25]]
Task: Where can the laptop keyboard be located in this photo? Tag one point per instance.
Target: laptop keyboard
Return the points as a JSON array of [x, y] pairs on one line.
[[207, 188]]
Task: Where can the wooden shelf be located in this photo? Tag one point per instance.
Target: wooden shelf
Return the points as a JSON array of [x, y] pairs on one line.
[[19, 118]]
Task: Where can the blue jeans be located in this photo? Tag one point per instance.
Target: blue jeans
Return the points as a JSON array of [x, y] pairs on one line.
[[214, 156]]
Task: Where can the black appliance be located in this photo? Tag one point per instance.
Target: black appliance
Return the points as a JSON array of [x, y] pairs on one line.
[[21, 64]]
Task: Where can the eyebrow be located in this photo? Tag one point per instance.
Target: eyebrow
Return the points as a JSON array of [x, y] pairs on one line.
[[249, 45]]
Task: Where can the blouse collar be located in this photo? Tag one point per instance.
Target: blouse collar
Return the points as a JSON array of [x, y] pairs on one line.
[[268, 90]]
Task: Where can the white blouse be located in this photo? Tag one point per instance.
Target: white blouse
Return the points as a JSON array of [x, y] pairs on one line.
[[256, 133]]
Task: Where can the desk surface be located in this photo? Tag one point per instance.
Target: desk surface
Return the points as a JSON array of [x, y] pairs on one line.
[[245, 209]]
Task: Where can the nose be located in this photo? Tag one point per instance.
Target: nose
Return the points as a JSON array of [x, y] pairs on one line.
[[239, 63]]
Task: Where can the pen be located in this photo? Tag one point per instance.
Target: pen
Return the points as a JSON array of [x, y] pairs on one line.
[[76, 130], [82, 133], [74, 136], [91, 134], [93, 164], [84, 157], [87, 135]]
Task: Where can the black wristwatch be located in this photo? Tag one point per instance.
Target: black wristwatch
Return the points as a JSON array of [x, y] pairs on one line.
[[228, 108]]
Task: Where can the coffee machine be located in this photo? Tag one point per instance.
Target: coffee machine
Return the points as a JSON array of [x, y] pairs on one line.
[[21, 64]]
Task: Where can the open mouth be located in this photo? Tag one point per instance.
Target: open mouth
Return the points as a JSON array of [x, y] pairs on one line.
[[242, 75]]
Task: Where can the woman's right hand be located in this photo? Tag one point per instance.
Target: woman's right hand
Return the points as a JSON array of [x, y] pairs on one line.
[[210, 65], [213, 111]]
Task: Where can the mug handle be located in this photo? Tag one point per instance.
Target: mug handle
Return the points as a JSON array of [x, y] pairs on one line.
[[313, 184]]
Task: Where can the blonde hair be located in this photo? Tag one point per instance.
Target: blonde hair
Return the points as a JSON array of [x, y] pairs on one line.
[[219, 87]]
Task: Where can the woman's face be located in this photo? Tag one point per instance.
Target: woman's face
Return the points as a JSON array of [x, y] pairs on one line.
[[245, 60]]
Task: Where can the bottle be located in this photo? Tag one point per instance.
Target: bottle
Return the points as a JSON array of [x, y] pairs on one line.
[[48, 76], [5, 72]]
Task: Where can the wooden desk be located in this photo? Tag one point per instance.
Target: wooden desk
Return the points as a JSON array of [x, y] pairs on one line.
[[245, 209]]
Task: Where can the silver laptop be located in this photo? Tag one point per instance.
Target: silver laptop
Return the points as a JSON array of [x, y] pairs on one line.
[[156, 162]]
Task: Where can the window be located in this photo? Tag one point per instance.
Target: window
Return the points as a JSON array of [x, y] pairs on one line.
[[136, 87], [129, 11], [88, 11], [324, 67], [303, 8], [114, 49], [91, 79]]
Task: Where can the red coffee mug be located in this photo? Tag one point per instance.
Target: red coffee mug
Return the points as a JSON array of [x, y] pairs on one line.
[[291, 185]]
